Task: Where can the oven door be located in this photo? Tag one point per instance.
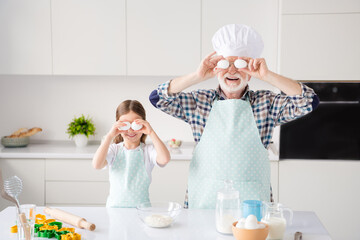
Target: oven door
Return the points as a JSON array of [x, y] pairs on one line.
[[331, 131]]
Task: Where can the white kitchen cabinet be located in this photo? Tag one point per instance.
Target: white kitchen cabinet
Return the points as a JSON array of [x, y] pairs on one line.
[[75, 182], [319, 6], [320, 46], [163, 37], [170, 183], [88, 37], [330, 188], [25, 42], [76, 193], [31, 172], [262, 15], [274, 168], [73, 170]]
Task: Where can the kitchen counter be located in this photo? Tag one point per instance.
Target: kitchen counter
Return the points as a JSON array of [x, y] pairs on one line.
[[124, 223], [67, 149]]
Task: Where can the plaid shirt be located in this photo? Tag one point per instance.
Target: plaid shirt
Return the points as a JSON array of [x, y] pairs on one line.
[[270, 109]]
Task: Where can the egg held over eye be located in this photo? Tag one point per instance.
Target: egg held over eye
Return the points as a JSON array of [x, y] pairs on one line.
[[136, 126], [223, 64], [239, 63], [124, 128]]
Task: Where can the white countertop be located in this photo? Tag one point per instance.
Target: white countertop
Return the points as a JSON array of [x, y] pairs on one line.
[[67, 149], [124, 223]]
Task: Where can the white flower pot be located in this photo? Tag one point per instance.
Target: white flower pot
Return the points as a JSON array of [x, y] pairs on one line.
[[80, 140]]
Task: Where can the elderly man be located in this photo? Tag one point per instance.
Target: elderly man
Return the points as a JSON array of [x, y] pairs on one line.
[[232, 125]]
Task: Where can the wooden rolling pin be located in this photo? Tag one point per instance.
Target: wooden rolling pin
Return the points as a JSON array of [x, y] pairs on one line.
[[69, 218]]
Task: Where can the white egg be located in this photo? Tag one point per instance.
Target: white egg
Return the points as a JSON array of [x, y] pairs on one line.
[[239, 63], [223, 64], [124, 128], [136, 126], [241, 223], [261, 225], [251, 222]]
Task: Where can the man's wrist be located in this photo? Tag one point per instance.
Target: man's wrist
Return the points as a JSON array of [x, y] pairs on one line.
[[269, 76]]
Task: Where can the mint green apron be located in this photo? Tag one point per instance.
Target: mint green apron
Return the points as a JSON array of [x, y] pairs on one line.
[[129, 181], [230, 148]]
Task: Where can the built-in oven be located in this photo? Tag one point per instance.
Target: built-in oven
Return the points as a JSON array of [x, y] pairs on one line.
[[331, 131]]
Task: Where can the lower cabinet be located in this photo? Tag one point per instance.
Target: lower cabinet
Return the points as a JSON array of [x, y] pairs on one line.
[[329, 188], [75, 182], [31, 172], [274, 165], [170, 183]]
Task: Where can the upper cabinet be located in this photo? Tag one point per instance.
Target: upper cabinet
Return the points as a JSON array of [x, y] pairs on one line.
[[163, 37], [320, 39], [321, 46], [319, 6], [262, 15], [89, 37], [25, 40], [303, 39]]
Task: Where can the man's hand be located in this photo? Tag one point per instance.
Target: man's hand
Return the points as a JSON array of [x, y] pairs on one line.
[[207, 68], [256, 68]]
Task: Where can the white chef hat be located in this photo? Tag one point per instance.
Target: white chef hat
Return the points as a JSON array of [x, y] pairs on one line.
[[237, 40]]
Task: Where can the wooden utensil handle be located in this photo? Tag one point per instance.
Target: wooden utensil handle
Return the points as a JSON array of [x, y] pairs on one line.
[[25, 225]]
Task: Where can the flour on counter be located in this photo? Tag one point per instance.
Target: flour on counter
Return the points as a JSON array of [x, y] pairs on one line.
[[158, 220]]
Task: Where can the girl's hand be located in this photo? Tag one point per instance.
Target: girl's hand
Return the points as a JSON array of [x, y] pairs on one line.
[[207, 68], [256, 68], [114, 131], [146, 129]]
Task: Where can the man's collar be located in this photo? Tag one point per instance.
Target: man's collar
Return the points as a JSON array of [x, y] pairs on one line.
[[221, 95]]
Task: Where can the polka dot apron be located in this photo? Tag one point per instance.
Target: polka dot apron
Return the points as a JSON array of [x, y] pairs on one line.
[[230, 148], [129, 181]]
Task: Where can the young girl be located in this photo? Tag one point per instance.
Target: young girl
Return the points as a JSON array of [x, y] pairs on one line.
[[129, 159]]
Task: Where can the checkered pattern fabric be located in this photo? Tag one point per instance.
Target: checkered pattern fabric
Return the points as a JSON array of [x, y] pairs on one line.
[[269, 109]]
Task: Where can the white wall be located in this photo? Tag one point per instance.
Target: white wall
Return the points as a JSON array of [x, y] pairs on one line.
[[51, 102]]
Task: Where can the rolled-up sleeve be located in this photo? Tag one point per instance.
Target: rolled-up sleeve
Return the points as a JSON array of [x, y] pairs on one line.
[[287, 108], [180, 105]]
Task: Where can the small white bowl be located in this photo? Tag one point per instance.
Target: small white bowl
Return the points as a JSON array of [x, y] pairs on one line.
[[158, 214]]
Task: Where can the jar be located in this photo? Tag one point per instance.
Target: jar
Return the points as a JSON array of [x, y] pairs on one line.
[[227, 208]]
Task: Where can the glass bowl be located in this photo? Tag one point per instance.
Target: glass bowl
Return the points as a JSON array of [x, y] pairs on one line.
[[158, 214]]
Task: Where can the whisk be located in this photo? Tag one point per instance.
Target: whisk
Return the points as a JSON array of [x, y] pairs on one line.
[[10, 190], [13, 187]]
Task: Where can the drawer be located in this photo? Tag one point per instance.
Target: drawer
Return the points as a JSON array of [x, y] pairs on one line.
[[73, 170], [76, 192]]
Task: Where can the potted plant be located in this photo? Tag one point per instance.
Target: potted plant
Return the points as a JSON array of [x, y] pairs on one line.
[[80, 128]]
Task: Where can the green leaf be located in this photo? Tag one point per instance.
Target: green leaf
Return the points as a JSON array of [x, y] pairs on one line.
[[81, 125]]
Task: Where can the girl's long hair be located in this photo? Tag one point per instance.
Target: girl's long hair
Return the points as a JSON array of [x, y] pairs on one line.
[[124, 108]]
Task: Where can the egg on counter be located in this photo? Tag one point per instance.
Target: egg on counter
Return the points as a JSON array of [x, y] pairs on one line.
[[249, 223]]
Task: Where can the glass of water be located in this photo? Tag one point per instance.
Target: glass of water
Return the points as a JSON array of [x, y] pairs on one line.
[[30, 211]]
